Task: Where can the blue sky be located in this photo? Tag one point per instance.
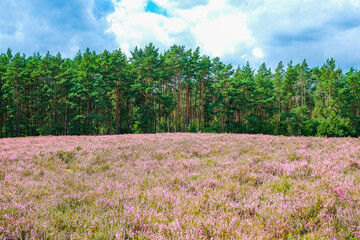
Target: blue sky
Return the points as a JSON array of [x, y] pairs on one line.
[[235, 30]]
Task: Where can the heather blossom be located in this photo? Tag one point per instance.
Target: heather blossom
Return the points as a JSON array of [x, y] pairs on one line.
[[179, 186]]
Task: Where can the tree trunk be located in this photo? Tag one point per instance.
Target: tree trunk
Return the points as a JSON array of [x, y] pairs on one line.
[[176, 108], [117, 108], [187, 106], [181, 105], [154, 125], [110, 122]]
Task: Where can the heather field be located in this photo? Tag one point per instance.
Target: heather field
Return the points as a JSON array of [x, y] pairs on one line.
[[179, 186]]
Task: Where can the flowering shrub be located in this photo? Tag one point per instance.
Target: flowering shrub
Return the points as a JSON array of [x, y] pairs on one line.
[[179, 186]]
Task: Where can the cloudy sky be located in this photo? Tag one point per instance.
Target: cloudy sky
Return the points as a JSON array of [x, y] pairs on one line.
[[235, 30]]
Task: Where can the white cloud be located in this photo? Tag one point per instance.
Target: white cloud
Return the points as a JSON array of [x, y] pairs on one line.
[[257, 52], [55, 26], [180, 4], [133, 26], [175, 25], [218, 28], [235, 30], [315, 30], [240, 30], [133, 5]]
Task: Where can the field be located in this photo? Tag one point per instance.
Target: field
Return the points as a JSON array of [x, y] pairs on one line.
[[179, 186]]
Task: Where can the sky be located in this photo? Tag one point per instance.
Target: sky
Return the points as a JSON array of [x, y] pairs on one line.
[[237, 31]]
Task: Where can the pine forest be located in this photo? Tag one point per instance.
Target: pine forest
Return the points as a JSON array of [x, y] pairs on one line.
[[179, 90]]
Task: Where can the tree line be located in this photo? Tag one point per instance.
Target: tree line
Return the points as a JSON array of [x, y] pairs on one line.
[[178, 90]]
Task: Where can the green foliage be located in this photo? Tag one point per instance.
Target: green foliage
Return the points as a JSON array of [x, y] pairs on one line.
[[281, 187], [193, 128], [213, 128], [299, 123], [335, 126], [175, 91], [65, 156]]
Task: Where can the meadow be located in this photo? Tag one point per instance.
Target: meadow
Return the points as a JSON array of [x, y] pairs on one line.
[[179, 186]]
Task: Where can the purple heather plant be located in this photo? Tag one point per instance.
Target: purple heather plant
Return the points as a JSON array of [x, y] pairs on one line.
[[179, 186]]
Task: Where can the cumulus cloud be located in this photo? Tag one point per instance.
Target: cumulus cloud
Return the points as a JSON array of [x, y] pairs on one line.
[[55, 26], [315, 30], [217, 27], [132, 25], [180, 4], [241, 30], [257, 52], [235, 30]]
